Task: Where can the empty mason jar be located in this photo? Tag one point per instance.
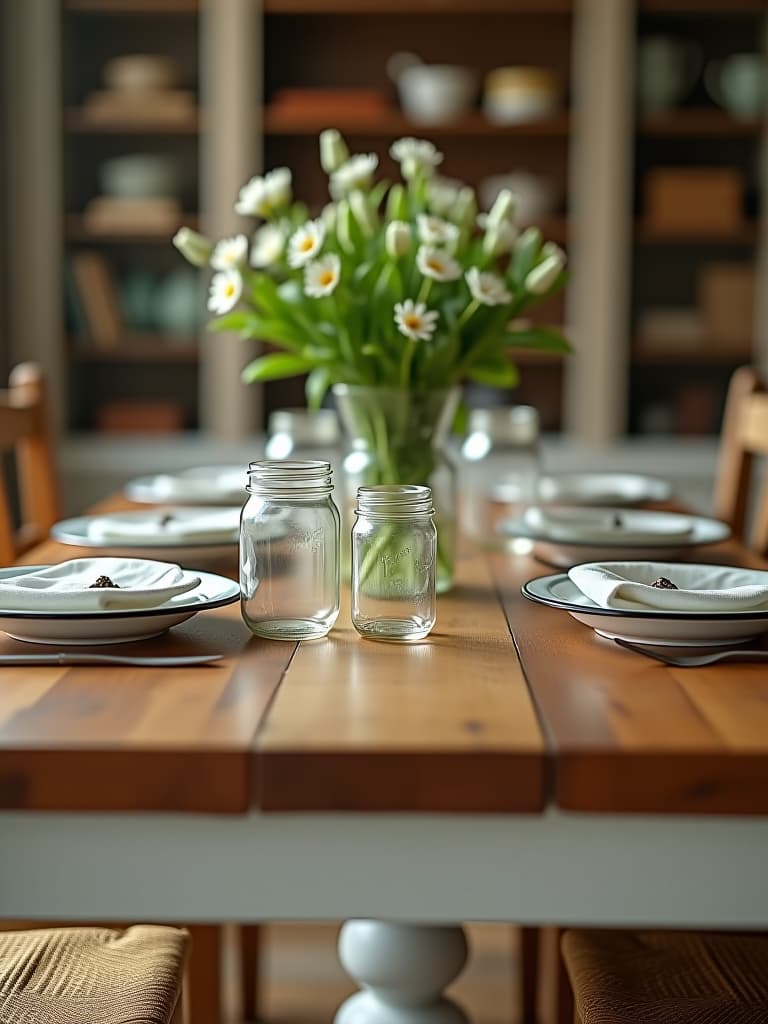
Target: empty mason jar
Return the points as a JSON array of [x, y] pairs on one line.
[[499, 472], [289, 550], [394, 544]]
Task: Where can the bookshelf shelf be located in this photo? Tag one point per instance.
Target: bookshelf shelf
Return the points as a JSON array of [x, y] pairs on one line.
[[704, 122], [418, 7], [78, 121], [76, 230], [688, 357], [279, 122], [133, 6], [137, 348], [650, 234], [699, 7]]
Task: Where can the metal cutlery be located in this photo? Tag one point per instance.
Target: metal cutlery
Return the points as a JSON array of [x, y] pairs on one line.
[[695, 660], [76, 658]]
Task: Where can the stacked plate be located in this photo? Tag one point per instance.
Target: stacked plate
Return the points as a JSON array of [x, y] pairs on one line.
[[665, 603], [203, 485], [565, 536], [104, 600]]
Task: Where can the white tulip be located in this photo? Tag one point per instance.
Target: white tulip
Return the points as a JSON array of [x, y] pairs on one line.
[[364, 215], [499, 238], [195, 248], [487, 288], [333, 150], [397, 238], [415, 156], [544, 274], [503, 207], [357, 172], [268, 246]]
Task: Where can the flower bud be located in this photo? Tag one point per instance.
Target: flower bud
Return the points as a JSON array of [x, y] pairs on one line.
[[397, 238], [333, 150], [499, 238], [328, 216], [503, 207], [544, 274], [465, 207], [363, 214], [195, 248]]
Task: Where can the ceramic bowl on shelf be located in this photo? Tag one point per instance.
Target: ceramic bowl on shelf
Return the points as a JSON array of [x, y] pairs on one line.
[[739, 84], [432, 93], [514, 95], [141, 73], [139, 175]]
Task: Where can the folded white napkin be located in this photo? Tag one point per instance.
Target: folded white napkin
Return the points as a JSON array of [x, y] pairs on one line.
[[203, 484], [141, 583], [607, 525], [701, 588], [167, 526]]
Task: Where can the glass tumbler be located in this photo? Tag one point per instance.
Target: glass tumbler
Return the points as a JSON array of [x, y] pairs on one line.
[[394, 545], [500, 465], [289, 550]]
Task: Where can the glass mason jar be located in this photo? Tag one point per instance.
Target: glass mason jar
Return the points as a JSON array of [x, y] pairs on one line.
[[500, 464], [398, 436], [303, 434], [394, 548], [289, 550]]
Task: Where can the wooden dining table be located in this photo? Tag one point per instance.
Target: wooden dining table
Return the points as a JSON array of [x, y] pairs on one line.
[[515, 766]]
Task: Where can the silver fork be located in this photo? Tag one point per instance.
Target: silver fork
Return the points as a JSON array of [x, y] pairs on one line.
[[695, 660]]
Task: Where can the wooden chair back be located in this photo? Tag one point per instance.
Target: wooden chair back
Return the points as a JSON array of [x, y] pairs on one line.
[[25, 433], [744, 436]]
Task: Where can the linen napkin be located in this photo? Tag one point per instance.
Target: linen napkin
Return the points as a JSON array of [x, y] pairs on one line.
[[168, 526], [607, 525], [68, 586], [201, 485], [702, 588]]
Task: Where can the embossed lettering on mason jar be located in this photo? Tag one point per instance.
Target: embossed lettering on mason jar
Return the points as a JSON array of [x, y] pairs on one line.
[[393, 562], [289, 550]]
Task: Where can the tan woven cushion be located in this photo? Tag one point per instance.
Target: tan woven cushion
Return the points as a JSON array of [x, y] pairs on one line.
[[91, 975], [668, 977]]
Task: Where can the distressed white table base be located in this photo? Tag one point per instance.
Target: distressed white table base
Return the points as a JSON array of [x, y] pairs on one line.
[[404, 969]]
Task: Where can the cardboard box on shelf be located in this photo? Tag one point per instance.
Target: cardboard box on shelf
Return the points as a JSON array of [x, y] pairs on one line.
[[726, 297], [697, 200]]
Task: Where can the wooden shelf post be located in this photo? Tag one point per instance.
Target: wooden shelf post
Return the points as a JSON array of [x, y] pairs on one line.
[[231, 76], [600, 197]]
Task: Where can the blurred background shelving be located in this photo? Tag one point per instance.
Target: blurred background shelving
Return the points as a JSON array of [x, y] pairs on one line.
[[254, 83]]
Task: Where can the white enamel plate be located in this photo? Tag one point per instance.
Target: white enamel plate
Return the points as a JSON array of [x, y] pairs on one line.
[[688, 629], [114, 627]]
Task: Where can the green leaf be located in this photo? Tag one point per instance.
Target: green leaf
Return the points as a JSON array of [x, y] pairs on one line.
[[230, 321], [525, 255], [275, 367], [544, 339], [498, 372], [316, 386]]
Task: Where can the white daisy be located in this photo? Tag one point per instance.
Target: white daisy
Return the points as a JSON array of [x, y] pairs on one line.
[[305, 243], [437, 264], [414, 320], [268, 246], [226, 287], [262, 197], [415, 156], [357, 172], [230, 253], [322, 276], [487, 288], [436, 231]]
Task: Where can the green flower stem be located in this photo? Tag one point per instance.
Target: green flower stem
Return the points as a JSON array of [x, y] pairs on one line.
[[426, 286], [405, 366], [473, 306]]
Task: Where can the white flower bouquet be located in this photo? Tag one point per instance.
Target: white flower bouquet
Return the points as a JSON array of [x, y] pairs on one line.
[[397, 285], [393, 295]]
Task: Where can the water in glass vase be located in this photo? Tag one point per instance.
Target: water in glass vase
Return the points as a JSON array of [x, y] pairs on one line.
[[398, 436]]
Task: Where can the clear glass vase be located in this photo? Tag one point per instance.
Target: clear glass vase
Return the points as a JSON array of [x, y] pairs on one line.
[[398, 437]]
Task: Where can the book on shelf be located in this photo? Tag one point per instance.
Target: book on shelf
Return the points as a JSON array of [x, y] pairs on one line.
[[96, 299], [151, 215]]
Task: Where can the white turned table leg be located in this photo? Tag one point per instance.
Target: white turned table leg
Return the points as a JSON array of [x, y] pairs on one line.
[[402, 970]]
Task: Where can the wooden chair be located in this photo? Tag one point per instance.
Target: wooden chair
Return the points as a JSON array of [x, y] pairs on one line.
[[744, 436], [622, 977], [61, 975], [25, 432]]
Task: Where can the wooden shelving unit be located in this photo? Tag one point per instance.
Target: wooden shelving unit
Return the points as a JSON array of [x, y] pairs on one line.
[[132, 6], [145, 347], [79, 122], [75, 230], [651, 234], [706, 122], [393, 123], [419, 7]]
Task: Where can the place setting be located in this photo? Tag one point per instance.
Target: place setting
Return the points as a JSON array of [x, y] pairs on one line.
[[660, 603], [105, 600], [199, 485]]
